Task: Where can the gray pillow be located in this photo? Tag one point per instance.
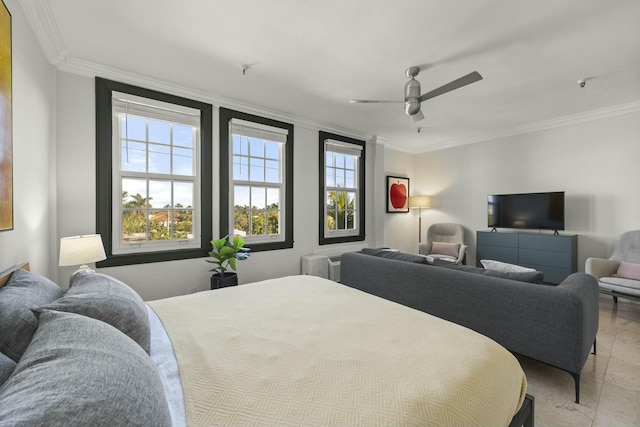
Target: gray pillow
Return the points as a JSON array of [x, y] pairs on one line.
[[107, 299], [79, 371], [520, 276], [400, 256], [6, 367], [23, 291]]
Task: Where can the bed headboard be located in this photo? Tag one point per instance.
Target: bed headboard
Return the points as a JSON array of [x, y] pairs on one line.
[[6, 275]]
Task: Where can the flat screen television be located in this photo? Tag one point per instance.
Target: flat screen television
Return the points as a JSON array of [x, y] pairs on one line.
[[541, 211]]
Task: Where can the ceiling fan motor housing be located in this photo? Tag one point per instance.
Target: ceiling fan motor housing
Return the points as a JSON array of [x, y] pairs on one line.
[[411, 94]]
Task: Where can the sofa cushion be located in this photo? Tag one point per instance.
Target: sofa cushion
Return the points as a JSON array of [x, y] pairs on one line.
[[23, 291], [629, 270], [390, 254], [504, 267], [80, 371], [519, 276], [444, 248], [621, 282], [109, 300]]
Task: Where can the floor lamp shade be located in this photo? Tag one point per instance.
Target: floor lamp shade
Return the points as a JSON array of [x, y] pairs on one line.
[[423, 202]]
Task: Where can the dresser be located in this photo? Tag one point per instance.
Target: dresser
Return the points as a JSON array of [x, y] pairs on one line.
[[555, 256]]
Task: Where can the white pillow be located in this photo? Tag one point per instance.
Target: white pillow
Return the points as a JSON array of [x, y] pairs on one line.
[[504, 267]]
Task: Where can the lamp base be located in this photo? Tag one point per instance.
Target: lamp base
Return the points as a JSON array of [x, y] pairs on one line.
[[84, 268]]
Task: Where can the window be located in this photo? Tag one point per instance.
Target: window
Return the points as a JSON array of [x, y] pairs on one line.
[[153, 174], [256, 176], [341, 189]]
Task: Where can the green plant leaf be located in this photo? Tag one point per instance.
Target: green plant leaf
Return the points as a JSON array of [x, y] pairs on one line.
[[219, 244], [232, 263], [227, 251], [238, 242]]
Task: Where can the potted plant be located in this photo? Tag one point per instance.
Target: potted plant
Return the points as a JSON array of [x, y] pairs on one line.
[[225, 252]]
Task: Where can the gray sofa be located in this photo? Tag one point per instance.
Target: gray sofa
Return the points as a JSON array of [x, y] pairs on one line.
[[556, 325]]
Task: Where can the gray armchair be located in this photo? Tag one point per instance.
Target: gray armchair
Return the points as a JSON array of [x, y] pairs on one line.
[[627, 249], [445, 236]]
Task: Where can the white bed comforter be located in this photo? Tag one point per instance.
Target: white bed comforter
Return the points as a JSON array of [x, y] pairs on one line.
[[302, 350]]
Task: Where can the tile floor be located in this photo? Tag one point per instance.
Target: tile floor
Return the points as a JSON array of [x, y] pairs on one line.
[[610, 386]]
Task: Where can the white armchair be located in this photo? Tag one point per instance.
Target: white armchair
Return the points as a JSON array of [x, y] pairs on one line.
[[611, 282], [445, 241]]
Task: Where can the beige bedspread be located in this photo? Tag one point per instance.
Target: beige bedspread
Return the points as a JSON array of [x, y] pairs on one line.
[[304, 351]]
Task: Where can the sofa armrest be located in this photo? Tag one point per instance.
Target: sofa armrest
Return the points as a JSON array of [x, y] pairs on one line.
[[600, 267], [424, 248], [463, 249]]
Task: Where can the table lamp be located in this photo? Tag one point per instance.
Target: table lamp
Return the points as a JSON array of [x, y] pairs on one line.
[[419, 202], [81, 250]]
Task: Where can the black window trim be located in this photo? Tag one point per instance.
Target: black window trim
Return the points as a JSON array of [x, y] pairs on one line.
[[322, 137], [104, 186], [225, 178]]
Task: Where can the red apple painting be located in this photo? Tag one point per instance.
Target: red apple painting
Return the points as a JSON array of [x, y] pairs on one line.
[[397, 194]]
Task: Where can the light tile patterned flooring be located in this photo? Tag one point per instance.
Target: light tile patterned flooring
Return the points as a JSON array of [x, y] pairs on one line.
[[610, 386]]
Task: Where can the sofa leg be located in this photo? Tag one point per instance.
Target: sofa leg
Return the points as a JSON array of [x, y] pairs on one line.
[[615, 299], [594, 346], [576, 378]]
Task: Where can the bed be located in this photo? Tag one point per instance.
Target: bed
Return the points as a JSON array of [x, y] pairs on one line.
[[297, 350]]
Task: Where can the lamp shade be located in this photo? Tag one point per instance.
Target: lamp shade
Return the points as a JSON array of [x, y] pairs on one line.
[[79, 250], [419, 202]]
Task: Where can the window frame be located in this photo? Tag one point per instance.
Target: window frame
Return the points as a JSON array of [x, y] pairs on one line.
[[227, 181], [104, 175], [325, 236]]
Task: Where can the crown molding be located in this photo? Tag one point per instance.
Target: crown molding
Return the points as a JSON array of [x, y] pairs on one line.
[[42, 20], [616, 110], [91, 69]]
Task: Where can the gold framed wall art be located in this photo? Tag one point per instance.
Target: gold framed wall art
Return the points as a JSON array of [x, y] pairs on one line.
[[6, 131]]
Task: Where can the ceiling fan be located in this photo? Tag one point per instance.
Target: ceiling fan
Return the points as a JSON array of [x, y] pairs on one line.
[[412, 97]]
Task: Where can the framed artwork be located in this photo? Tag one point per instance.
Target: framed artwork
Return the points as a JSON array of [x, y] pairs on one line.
[[397, 194], [6, 149]]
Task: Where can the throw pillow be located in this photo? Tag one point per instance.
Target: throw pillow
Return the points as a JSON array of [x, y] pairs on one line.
[[80, 371], [629, 270], [6, 367], [399, 256], [519, 276], [504, 267], [23, 291], [107, 299], [444, 248]]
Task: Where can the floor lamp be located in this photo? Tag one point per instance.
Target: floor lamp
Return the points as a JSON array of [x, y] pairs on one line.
[[419, 202]]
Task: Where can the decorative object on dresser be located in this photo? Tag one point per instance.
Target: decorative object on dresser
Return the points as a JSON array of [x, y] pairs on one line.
[[225, 252], [419, 202], [445, 242], [554, 255], [619, 275]]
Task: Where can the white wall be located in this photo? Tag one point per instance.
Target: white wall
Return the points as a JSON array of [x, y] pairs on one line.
[[32, 238], [77, 198], [595, 163]]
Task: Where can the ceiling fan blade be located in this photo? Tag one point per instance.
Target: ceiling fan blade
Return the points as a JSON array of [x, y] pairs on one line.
[[369, 101], [418, 116], [456, 84]]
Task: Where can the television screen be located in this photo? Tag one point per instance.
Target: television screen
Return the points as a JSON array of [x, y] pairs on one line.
[[542, 211]]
